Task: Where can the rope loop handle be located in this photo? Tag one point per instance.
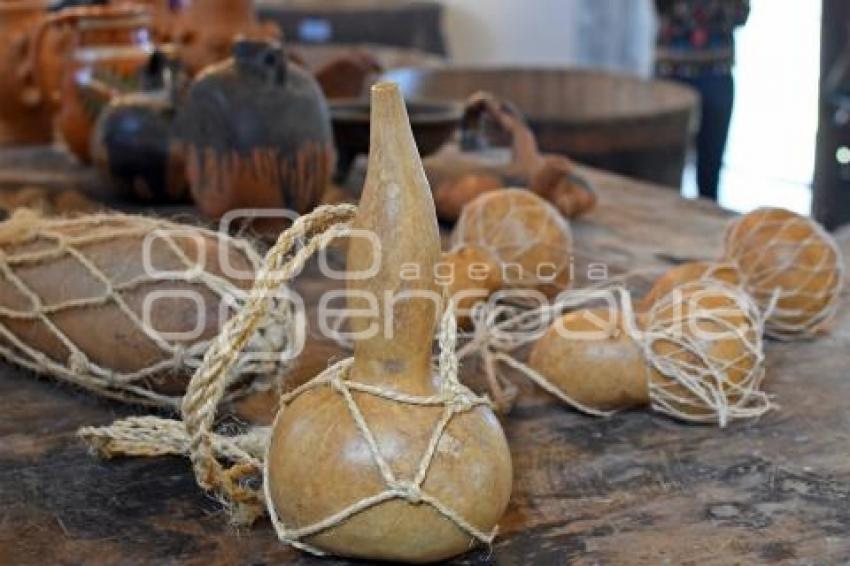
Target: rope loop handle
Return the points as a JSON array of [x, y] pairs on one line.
[[307, 235]]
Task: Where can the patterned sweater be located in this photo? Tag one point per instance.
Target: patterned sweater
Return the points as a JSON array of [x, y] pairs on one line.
[[695, 36]]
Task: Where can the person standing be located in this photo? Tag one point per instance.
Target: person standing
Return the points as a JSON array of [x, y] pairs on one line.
[[696, 46]]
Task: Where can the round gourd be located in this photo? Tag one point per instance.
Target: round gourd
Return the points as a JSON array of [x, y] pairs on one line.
[[526, 235], [474, 276], [689, 272], [451, 196], [790, 265], [321, 461], [696, 355]]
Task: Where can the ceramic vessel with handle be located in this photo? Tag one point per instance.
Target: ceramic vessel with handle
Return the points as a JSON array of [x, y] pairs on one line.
[[257, 133], [108, 46]]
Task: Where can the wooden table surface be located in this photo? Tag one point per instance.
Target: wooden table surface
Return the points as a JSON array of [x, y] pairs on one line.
[[637, 488]]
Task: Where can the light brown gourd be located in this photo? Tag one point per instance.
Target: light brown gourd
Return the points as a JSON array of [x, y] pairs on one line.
[[529, 240], [695, 355], [362, 441], [791, 266], [73, 296], [473, 277], [689, 272]]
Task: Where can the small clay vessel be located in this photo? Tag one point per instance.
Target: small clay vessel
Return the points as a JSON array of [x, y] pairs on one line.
[[319, 462], [257, 133], [109, 45], [205, 30], [24, 118], [134, 144], [464, 170]]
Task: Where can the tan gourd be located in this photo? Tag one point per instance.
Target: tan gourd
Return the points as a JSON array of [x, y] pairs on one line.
[[524, 235], [791, 266], [696, 355], [320, 460], [472, 278], [687, 273]]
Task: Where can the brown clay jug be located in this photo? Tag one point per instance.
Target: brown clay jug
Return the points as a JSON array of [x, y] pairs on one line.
[[24, 118], [205, 30], [257, 133], [110, 44]]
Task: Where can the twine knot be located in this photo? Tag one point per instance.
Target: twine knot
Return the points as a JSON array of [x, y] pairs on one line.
[[77, 362], [179, 357], [409, 491], [459, 400]]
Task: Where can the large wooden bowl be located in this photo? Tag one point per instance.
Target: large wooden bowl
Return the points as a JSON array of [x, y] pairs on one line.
[[635, 127]]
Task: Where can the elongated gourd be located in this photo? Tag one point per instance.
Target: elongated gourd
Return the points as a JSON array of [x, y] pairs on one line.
[[122, 305], [320, 461]]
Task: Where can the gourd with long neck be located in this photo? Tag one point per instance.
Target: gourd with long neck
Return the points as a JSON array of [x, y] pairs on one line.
[[320, 462]]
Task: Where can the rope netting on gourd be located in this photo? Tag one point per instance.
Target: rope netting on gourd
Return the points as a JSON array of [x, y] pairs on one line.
[[792, 268], [688, 376], [524, 234], [73, 294], [231, 466]]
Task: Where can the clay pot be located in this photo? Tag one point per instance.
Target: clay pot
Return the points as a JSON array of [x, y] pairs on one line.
[[476, 164], [134, 144], [257, 133], [110, 45], [23, 115], [206, 29]]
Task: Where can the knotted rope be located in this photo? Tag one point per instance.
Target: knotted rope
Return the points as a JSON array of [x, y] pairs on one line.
[[194, 436]]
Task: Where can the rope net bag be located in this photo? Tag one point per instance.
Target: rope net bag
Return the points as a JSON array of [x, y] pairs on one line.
[[124, 306], [228, 466], [695, 355], [523, 234], [792, 268], [703, 345]]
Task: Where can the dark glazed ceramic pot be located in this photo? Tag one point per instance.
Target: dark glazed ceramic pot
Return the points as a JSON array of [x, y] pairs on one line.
[[134, 145], [257, 133]]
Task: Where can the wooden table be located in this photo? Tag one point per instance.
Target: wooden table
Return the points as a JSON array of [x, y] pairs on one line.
[[637, 488]]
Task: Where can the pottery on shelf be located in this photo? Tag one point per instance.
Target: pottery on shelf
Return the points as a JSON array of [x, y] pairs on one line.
[[257, 133], [110, 44], [204, 31], [134, 143], [24, 118]]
